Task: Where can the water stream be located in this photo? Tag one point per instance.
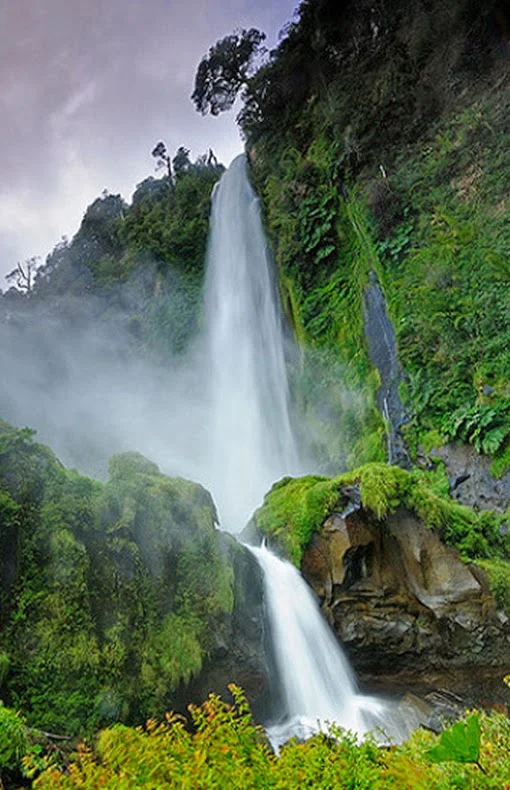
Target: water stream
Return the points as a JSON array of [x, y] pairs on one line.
[[250, 441], [318, 685], [250, 445]]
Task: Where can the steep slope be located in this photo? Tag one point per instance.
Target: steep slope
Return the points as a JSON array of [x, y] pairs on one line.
[[388, 170]]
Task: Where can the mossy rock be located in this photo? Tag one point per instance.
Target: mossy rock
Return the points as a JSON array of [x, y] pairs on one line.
[[125, 465], [498, 573], [295, 508], [113, 594]]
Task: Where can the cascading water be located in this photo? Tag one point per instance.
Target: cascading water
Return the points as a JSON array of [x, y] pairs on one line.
[[250, 439], [251, 445], [317, 683]]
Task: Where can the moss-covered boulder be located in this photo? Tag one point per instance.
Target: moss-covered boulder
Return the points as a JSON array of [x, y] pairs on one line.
[[296, 508], [391, 561], [113, 597]]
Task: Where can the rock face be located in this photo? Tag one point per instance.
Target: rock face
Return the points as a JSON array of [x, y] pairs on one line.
[[382, 349], [240, 653], [471, 480], [400, 600]]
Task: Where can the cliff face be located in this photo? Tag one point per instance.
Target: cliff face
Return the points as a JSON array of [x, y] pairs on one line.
[[380, 153], [388, 170], [415, 586], [400, 601]]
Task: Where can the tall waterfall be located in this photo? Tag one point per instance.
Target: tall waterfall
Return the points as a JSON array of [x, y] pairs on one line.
[[250, 440], [251, 445]]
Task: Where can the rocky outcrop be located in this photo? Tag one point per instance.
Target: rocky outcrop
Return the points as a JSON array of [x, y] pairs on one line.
[[142, 604], [471, 480], [382, 349], [240, 653], [400, 600]]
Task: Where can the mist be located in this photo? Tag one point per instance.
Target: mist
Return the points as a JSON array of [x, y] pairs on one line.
[[89, 395], [216, 413], [221, 408]]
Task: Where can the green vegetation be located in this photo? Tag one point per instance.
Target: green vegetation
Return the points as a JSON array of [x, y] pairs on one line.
[[296, 508], [137, 269], [111, 595], [373, 156], [13, 739], [324, 254], [226, 750], [449, 292], [379, 146], [443, 267], [498, 573], [459, 744]]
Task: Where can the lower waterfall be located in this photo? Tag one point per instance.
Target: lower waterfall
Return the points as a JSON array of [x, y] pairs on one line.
[[318, 686]]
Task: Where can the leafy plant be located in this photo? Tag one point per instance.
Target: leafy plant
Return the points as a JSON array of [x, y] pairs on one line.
[[225, 749], [498, 572], [13, 739], [485, 426], [459, 743]]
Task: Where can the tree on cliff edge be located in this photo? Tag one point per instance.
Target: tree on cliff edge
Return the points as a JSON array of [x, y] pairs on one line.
[[224, 70]]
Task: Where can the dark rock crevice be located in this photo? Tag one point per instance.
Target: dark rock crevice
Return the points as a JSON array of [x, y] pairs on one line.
[[382, 350]]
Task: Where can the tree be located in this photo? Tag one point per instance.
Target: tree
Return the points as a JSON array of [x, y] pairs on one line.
[[224, 70], [181, 160], [162, 158], [24, 274]]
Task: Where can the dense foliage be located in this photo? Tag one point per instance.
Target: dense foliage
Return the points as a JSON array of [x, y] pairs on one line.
[[226, 750], [111, 595], [297, 507], [134, 270], [225, 69], [378, 142]]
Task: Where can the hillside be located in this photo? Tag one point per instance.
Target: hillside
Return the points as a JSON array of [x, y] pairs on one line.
[[389, 170]]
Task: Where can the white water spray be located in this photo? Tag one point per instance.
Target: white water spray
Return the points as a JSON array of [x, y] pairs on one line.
[[250, 442], [317, 682], [251, 445]]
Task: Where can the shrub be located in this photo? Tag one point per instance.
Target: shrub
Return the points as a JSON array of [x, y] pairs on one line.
[[227, 750], [13, 739]]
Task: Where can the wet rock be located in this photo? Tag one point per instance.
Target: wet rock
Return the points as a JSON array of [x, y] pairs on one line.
[[240, 654], [382, 350], [471, 482], [400, 600]]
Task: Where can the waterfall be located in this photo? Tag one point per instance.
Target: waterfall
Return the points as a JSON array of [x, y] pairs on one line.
[[250, 445], [317, 683], [249, 439]]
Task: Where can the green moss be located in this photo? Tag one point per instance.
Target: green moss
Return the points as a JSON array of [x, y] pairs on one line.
[[501, 461], [173, 654], [114, 593], [286, 515], [296, 508], [498, 572], [126, 465], [431, 440]]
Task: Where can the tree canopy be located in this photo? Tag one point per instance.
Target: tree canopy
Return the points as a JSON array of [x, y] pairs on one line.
[[224, 70]]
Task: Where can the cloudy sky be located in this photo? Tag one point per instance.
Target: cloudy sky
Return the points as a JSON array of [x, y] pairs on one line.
[[87, 87]]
